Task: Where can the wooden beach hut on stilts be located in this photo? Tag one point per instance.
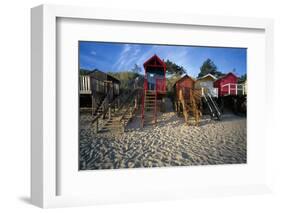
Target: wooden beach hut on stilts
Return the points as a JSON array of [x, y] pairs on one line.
[[209, 95], [154, 89], [187, 98], [97, 89], [206, 84], [231, 93]]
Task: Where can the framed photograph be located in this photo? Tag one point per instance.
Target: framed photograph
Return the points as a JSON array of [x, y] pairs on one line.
[[129, 106]]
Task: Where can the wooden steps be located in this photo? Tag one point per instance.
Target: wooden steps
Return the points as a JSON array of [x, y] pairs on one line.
[[118, 120], [191, 106], [149, 108]]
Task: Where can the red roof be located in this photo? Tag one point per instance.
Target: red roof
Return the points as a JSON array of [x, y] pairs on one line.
[[154, 61], [226, 76], [183, 78]]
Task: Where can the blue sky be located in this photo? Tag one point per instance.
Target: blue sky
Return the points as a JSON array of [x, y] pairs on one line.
[[122, 57]]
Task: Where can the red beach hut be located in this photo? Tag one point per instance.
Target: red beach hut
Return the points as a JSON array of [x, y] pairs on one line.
[[227, 85], [155, 74]]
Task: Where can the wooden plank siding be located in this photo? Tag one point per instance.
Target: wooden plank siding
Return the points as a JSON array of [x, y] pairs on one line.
[[185, 83], [206, 83], [85, 84], [227, 85]]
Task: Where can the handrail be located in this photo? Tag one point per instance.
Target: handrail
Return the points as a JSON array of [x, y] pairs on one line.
[[237, 87], [142, 107], [129, 104], [155, 105], [215, 105], [105, 110], [105, 100], [127, 98]]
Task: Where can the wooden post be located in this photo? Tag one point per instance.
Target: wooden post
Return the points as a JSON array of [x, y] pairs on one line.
[[163, 105], [123, 126], [236, 92], [136, 103], [229, 89], [155, 108], [109, 112], [92, 100], [97, 126], [93, 104]]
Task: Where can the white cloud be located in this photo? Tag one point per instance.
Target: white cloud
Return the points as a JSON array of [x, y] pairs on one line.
[[134, 54], [93, 52], [127, 57]]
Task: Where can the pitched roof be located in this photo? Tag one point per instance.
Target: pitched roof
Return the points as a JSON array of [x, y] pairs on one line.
[[224, 76], [99, 75], [183, 77], [208, 75], [154, 60]]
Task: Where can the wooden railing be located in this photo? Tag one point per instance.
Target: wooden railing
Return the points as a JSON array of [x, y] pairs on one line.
[[233, 89], [160, 87], [145, 84], [142, 107], [85, 84], [129, 109], [212, 91], [107, 109]]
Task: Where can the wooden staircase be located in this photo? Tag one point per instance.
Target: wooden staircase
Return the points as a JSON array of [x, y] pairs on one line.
[[149, 107], [118, 120], [191, 105], [99, 106]]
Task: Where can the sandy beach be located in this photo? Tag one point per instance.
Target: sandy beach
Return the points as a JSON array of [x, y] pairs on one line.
[[169, 143]]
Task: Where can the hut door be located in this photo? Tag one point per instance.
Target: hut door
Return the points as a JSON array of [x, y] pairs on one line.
[[151, 81]]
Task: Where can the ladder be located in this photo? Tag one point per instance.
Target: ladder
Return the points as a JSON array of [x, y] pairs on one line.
[[149, 107], [212, 105]]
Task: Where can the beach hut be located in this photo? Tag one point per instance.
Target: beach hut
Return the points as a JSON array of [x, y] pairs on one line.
[[154, 89], [103, 83], [227, 85], [206, 84], [97, 88], [155, 74], [186, 83], [187, 98]]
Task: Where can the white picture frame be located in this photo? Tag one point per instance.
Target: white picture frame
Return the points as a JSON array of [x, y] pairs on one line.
[[44, 174]]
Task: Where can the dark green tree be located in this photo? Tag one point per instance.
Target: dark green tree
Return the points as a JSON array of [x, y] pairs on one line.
[[242, 78], [136, 69], [173, 68], [209, 67]]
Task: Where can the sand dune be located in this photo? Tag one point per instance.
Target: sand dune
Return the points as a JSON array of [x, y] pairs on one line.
[[169, 143]]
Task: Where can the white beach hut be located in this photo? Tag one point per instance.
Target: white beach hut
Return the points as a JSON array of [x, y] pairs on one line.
[[206, 83]]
